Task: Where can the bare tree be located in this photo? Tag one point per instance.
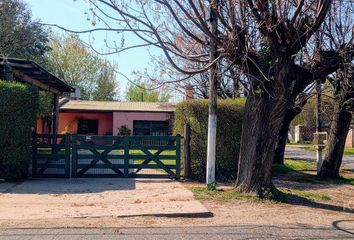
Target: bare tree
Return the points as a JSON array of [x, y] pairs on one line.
[[266, 41]]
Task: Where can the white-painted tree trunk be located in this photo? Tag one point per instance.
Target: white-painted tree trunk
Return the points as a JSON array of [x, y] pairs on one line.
[[213, 79], [211, 157]]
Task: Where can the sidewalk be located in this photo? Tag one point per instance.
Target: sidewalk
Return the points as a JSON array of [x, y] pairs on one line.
[[81, 198]]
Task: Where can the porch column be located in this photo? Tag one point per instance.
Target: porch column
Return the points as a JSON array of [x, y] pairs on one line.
[[55, 113]]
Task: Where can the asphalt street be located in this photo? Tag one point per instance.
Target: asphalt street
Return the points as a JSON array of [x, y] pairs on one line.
[[295, 152], [207, 232]]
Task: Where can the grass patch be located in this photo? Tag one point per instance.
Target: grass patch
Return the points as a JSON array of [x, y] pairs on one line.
[[305, 194], [279, 196], [294, 165], [220, 195], [349, 151]]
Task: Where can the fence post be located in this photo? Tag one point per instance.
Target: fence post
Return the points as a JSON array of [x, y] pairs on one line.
[[34, 153], [178, 156], [73, 157], [67, 155], [126, 156], [187, 153]]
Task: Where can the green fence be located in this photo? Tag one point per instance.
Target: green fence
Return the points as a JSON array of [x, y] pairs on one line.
[[110, 156], [50, 155], [126, 156]]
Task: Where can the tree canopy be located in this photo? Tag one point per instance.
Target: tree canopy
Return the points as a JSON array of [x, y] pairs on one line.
[[139, 92], [71, 60], [20, 35]]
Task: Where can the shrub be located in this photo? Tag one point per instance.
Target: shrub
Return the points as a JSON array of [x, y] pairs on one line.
[[18, 111], [229, 113], [124, 131]]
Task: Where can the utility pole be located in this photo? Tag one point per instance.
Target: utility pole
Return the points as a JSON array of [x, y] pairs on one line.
[[212, 121]]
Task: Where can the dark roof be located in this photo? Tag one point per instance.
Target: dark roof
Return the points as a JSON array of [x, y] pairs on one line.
[[29, 71]]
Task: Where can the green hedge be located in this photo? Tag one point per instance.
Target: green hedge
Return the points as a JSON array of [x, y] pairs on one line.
[[18, 111], [195, 112]]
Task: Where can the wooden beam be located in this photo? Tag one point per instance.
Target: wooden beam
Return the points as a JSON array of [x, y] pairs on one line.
[[55, 113], [35, 82]]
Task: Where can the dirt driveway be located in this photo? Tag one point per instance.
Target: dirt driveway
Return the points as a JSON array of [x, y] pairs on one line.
[[47, 199]]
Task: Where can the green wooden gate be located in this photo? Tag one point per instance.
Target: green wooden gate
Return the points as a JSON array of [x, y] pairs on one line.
[[126, 156], [50, 155]]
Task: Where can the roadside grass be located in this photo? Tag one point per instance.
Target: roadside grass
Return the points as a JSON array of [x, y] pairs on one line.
[[349, 151], [310, 147], [294, 165], [301, 165], [305, 194], [220, 195], [280, 195]]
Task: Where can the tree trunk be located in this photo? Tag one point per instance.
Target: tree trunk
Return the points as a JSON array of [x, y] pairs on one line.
[[282, 138], [283, 135], [336, 143], [260, 128]]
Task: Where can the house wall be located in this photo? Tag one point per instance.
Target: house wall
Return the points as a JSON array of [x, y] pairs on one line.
[[127, 118], [42, 127], [68, 121], [39, 125]]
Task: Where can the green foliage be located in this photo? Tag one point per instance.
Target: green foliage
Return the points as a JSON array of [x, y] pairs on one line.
[[72, 61], [20, 36], [212, 186], [18, 111], [138, 92], [45, 104], [124, 131], [265, 56], [106, 86], [195, 113], [307, 116]]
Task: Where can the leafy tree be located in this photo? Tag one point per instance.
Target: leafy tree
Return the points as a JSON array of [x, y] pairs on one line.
[[25, 38], [20, 35], [72, 61], [106, 86], [139, 92]]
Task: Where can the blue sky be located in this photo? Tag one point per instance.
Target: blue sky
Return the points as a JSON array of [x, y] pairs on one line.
[[71, 14]]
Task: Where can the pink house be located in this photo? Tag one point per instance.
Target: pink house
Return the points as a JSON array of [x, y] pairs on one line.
[[106, 118]]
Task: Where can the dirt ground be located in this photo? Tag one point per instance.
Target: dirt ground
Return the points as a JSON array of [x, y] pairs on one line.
[[337, 212]]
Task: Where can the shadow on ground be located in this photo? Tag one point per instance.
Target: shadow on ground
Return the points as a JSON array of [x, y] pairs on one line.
[[293, 199], [346, 226], [305, 180], [73, 185]]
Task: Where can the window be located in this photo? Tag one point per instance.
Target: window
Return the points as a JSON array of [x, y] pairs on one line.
[[155, 128], [87, 127]]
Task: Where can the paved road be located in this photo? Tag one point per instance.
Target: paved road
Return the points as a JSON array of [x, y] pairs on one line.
[[295, 152], [198, 233]]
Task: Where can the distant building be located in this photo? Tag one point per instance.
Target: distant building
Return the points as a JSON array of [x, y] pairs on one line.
[[105, 117]]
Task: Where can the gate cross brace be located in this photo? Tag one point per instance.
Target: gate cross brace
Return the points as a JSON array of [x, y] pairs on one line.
[[151, 157], [97, 157]]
